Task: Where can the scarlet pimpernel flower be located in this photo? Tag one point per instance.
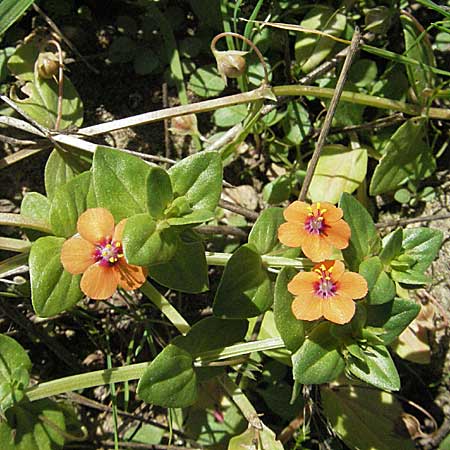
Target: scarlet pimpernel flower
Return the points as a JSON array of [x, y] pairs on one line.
[[327, 291], [96, 252], [316, 228]]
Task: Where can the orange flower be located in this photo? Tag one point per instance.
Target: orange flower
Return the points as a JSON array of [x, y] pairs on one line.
[[326, 291], [316, 229], [96, 252]]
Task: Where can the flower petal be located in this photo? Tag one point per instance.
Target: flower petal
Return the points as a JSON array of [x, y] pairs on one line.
[[307, 307], [338, 234], [338, 270], [353, 284], [95, 225], [292, 234], [130, 277], [118, 232], [77, 255], [339, 309], [99, 282], [303, 283], [332, 213], [316, 248], [296, 212]]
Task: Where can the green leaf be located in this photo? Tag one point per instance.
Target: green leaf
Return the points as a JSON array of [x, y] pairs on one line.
[[392, 318], [147, 242], [187, 271], [194, 218], [36, 206], [230, 116], [312, 49], [41, 103], [278, 190], [423, 245], [159, 191], [206, 82], [363, 73], [263, 234], [378, 369], [10, 11], [340, 169], [15, 366], [53, 290], [265, 439], [381, 286], [212, 333], [296, 124], [392, 246], [5, 53], [21, 62], [365, 419], [245, 289], [68, 204], [199, 178], [406, 156], [119, 182], [318, 360], [61, 167], [291, 330], [170, 380], [364, 239], [38, 425], [418, 47]]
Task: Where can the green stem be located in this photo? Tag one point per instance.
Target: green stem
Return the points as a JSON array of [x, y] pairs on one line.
[[165, 307], [221, 259], [17, 220], [86, 380], [14, 245], [135, 371]]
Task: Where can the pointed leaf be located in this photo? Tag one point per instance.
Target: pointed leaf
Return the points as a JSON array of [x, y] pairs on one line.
[[318, 360], [364, 240], [159, 191], [53, 290], [381, 286], [69, 202], [170, 380], [245, 289], [187, 271], [199, 178], [291, 330], [147, 242], [264, 232], [378, 369], [119, 182]]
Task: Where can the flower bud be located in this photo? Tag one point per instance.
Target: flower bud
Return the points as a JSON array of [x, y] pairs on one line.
[[47, 65], [230, 64]]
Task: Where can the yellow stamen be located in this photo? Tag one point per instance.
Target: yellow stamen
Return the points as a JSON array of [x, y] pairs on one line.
[[117, 244], [120, 255], [323, 211]]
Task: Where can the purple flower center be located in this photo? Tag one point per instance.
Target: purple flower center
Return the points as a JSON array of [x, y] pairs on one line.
[[315, 223], [325, 287], [108, 252]]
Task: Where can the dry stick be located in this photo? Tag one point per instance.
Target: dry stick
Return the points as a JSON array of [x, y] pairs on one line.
[[394, 223], [247, 213], [330, 114], [42, 129], [55, 28]]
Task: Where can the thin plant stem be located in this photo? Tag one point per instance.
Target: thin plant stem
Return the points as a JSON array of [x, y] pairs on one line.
[[60, 83], [165, 307], [135, 371], [17, 220], [330, 114]]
